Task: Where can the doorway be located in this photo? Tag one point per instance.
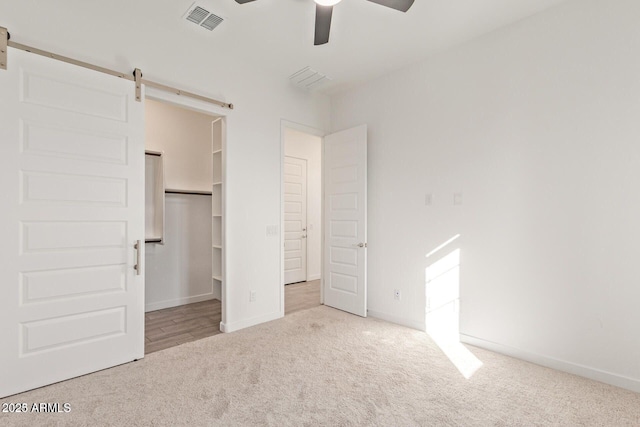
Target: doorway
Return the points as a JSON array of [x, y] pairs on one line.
[[183, 256], [342, 207], [302, 217]]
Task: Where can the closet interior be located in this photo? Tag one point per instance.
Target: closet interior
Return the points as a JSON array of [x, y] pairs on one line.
[[184, 224]]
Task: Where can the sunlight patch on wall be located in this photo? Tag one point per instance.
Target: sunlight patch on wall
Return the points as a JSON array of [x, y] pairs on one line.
[[443, 308]]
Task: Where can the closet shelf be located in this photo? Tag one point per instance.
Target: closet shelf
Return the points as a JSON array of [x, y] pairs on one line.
[[218, 278], [217, 216], [216, 246], [217, 183], [217, 151]]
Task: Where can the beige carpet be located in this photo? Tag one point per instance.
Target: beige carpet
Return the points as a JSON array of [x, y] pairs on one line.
[[325, 367]]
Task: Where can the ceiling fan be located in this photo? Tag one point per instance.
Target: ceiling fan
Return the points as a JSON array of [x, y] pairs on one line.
[[324, 10]]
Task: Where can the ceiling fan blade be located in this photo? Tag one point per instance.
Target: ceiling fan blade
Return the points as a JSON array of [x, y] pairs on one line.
[[323, 24], [244, 1], [401, 5]]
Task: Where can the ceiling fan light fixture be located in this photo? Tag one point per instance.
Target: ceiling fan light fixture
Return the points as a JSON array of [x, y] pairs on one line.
[[324, 12], [327, 2]]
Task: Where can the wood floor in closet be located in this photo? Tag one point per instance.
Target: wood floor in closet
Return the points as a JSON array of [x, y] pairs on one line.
[[178, 325]]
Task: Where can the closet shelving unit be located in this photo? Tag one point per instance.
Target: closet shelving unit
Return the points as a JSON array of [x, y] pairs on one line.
[[154, 197], [217, 209]]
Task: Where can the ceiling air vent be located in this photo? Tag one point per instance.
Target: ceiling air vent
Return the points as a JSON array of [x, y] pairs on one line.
[[308, 78], [201, 16], [211, 22]]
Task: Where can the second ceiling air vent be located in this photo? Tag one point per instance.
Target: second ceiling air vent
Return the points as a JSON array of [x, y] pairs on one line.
[[202, 17], [308, 78]]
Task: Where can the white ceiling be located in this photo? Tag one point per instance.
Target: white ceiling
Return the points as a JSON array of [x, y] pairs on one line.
[[268, 36]]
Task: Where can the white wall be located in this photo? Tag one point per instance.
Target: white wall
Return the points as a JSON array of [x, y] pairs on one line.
[[253, 199], [537, 126], [179, 272], [185, 137], [309, 147]]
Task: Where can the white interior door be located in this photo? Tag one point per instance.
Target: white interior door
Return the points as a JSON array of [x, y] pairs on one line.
[[295, 220], [72, 174], [345, 220]]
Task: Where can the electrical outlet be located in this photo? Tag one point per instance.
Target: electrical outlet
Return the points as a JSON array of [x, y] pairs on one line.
[[252, 296], [396, 294]]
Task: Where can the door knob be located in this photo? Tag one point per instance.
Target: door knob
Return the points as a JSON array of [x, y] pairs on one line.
[[304, 229], [361, 245], [304, 237]]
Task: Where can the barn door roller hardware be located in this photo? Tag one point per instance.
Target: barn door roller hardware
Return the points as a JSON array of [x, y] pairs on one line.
[[135, 77], [4, 42]]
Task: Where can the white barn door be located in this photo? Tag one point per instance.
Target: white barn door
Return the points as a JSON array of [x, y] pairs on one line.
[[72, 176], [345, 220]]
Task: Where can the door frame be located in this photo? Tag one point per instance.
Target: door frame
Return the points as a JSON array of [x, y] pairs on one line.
[[226, 117], [286, 124]]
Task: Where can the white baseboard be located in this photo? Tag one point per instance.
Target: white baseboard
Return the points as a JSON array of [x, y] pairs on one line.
[[561, 365], [236, 326], [314, 277], [179, 301], [421, 326]]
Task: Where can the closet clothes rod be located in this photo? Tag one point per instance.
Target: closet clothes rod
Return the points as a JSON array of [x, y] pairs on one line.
[[196, 193]]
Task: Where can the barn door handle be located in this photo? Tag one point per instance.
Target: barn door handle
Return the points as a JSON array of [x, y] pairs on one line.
[[138, 267]]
